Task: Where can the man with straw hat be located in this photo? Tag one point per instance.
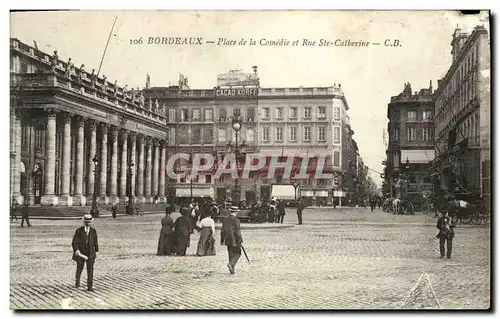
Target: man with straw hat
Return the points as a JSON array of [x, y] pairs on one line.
[[85, 249]]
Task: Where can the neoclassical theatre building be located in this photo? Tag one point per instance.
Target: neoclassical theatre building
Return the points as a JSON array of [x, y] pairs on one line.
[[75, 135]]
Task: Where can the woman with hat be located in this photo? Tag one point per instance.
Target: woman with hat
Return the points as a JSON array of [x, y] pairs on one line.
[[85, 248], [182, 231]]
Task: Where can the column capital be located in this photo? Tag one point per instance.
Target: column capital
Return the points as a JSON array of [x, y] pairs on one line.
[[149, 140], [141, 138], [163, 143], [114, 133], [156, 142], [66, 117], [124, 133], [79, 120], [51, 113], [104, 127], [92, 124], [131, 134]]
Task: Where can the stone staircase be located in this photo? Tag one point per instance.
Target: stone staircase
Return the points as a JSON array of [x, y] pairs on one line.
[[79, 211]]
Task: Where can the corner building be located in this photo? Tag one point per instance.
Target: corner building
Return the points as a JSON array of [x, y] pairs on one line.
[[462, 121], [63, 117]]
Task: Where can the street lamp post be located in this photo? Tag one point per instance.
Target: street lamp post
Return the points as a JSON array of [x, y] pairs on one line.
[[94, 211], [295, 186], [237, 150], [131, 199]]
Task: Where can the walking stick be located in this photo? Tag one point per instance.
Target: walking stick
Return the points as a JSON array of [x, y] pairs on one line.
[[245, 253]]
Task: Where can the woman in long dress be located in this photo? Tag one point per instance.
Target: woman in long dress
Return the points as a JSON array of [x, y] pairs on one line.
[[206, 243], [182, 228], [165, 242]]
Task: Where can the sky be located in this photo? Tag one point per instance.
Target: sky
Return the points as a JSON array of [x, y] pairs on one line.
[[369, 75]]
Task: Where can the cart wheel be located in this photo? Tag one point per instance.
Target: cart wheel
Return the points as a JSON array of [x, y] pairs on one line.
[[464, 220]]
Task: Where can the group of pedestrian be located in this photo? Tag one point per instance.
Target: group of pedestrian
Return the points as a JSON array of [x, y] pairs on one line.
[[16, 208]]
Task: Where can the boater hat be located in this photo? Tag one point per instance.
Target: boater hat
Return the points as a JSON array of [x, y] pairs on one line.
[[87, 218]]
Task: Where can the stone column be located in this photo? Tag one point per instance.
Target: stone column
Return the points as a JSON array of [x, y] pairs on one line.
[[65, 199], [113, 180], [103, 165], [17, 180], [156, 161], [147, 186], [92, 152], [140, 170], [162, 172], [123, 167], [49, 199], [133, 139], [78, 198]]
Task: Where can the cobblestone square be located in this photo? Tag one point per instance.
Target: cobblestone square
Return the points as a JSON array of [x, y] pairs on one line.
[[346, 258]]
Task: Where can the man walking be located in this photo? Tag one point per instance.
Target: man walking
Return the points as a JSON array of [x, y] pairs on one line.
[[446, 234], [300, 208], [14, 210], [85, 249], [281, 211], [230, 236], [25, 215]]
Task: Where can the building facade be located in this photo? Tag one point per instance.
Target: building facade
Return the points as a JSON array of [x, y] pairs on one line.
[[75, 135], [411, 143], [284, 122], [462, 107]]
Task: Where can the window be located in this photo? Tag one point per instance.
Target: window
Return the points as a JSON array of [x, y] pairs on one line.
[[322, 133], [321, 111], [208, 179], [426, 136], [279, 113], [426, 115], [196, 135], [196, 114], [251, 112], [184, 115], [222, 113], [250, 135], [307, 112], [396, 134], [267, 113], [336, 158], [279, 134], [222, 135], [336, 114], [307, 133], [208, 135], [171, 115], [236, 112], [293, 112], [209, 114], [336, 134], [410, 133], [412, 115], [293, 133], [265, 133]]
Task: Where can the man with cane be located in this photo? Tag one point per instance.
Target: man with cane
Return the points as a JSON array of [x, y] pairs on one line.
[[230, 235]]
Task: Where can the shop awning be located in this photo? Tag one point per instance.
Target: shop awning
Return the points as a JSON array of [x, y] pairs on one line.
[[417, 156]]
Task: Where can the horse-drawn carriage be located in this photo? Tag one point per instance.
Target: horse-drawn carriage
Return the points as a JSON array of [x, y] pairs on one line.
[[469, 208]]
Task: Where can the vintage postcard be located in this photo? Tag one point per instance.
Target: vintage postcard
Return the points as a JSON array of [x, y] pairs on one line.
[[265, 160]]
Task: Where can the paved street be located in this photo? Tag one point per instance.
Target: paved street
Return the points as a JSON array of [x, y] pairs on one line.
[[338, 259]]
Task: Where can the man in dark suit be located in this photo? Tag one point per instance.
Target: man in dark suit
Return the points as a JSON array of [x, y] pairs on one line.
[[300, 208], [25, 215], [85, 249], [230, 235], [281, 211], [446, 226]]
